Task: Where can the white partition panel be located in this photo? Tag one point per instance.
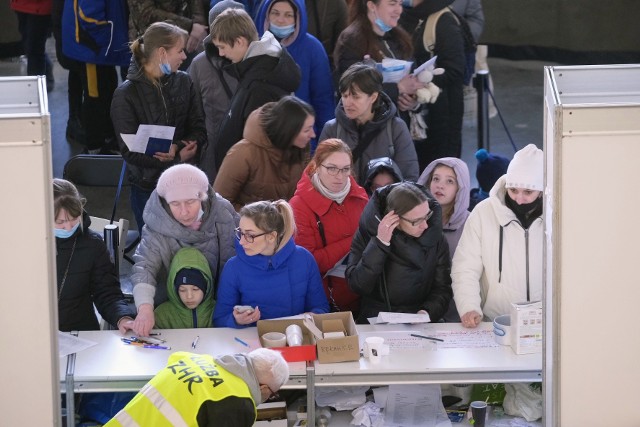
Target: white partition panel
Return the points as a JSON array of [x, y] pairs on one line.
[[28, 311], [592, 147]]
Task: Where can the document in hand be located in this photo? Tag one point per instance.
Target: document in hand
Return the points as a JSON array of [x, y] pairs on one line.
[[395, 318], [150, 139]]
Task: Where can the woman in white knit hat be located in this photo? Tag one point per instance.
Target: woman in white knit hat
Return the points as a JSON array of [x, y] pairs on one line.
[[182, 211], [498, 260]]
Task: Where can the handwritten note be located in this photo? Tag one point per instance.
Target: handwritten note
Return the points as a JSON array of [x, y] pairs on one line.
[[468, 338]]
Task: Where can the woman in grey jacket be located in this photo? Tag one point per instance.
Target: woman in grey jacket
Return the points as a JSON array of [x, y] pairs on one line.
[[182, 211], [366, 120]]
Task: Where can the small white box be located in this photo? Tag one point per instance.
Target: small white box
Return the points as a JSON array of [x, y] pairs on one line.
[[526, 327]]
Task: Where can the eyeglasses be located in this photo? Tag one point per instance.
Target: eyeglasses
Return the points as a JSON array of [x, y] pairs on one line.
[[333, 171], [273, 395], [417, 221], [248, 237]]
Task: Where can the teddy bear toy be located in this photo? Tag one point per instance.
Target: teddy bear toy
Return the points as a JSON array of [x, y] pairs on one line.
[[429, 93]]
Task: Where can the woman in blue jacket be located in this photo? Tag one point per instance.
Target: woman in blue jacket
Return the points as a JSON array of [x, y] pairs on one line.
[[287, 21], [270, 273]]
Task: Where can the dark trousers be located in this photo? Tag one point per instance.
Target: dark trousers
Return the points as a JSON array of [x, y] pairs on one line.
[[98, 84], [35, 29]]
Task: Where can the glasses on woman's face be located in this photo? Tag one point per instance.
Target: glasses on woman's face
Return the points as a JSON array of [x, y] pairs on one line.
[[333, 171], [417, 221], [248, 237]]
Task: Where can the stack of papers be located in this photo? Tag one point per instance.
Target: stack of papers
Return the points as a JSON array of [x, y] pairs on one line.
[[399, 318]]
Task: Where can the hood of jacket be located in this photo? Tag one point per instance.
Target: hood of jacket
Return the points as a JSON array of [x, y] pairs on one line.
[[377, 206], [386, 111], [240, 365], [389, 166], [461, 203], [262, 21], [267, 62], [267, 262], [158, 218], [189, 257]]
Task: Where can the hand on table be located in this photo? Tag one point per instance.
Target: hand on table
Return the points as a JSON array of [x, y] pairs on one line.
[[248, 317], [144, 320], [471, 319], [125, 324]]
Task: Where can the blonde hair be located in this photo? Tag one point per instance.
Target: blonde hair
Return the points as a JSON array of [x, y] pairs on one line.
[[231, 24], [272, 216], [159, 34]]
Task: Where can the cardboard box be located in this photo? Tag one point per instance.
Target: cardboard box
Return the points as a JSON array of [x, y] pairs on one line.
[[273, 414], [343, 349], [307, 351], [526, 327]]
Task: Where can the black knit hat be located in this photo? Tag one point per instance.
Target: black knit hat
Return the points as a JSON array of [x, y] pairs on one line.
[[191, 276]]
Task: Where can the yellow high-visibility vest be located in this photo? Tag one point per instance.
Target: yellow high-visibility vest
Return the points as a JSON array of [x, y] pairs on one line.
[[173, 397]]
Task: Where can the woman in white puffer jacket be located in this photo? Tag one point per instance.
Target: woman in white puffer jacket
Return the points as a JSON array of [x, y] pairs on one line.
[[499, 257]]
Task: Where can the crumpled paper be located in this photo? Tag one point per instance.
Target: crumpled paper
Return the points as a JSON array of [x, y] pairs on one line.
[[368, 415]]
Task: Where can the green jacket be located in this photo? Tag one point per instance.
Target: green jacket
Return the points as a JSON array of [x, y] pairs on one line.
[[173, 314]]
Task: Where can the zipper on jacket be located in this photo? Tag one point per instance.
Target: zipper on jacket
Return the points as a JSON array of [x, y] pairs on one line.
[[526, 245], [194, 316]]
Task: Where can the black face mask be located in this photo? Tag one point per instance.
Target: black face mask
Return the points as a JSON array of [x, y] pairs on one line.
[[526, 213]]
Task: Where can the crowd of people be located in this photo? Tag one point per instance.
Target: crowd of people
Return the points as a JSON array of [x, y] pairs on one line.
[[293, 183]]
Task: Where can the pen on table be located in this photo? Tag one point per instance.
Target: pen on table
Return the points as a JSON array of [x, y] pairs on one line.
[[150, 340], [195, 342], [241, 342], [426, 338], [139, 344], [155, 334]]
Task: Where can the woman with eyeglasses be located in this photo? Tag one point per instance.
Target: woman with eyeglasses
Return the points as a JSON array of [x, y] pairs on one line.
[[366, 120], [183, 211], [327, 206], [399, 259], [268, 162], [270, 276]]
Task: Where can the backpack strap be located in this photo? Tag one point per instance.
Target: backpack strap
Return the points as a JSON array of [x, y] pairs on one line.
[[429, 35], [392, 147]]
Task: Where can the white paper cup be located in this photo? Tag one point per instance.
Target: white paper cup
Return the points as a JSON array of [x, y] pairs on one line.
[[502, 329], [373, 349], [274, 339], [294, 335]]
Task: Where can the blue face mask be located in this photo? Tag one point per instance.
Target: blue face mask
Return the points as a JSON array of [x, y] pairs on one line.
[[165, 68], [383, 27], [282, 32], [61, 233]]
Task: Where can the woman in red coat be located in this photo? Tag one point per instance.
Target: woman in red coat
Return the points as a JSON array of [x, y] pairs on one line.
[[327, 205]]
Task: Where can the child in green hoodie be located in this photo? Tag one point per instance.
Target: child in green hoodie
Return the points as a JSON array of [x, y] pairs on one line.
[[190, 291]]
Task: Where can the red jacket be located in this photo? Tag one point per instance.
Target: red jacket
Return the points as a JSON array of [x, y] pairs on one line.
[[34, 7], [340, 223]]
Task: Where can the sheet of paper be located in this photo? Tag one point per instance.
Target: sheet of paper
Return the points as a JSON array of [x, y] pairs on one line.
[[468, 338], [399, 340], [429, 63], [137, 142], [415, 405], [397, 318], [68, 344]]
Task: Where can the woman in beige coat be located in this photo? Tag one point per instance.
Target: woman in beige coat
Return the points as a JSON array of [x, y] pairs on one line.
[[268, 162]]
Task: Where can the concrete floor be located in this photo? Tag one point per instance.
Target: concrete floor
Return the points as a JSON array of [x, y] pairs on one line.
[[518, 87]]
